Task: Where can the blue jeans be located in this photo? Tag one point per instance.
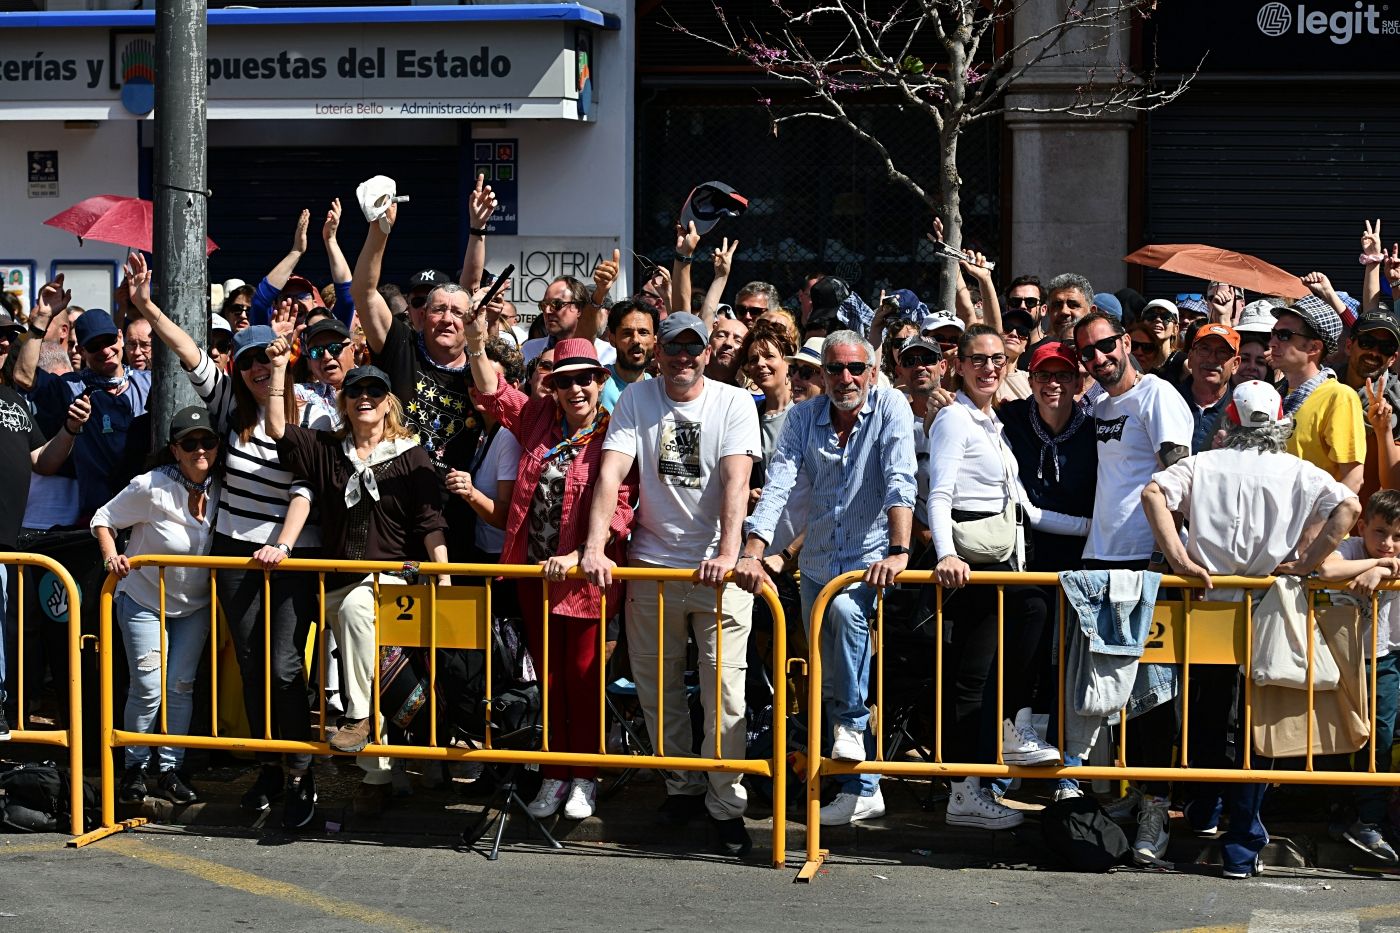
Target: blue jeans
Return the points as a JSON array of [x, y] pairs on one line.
[[1371, 801], [184, 643], [845, 648]]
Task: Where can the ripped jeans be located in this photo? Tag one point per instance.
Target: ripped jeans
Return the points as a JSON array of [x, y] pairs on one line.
[[184, 643]]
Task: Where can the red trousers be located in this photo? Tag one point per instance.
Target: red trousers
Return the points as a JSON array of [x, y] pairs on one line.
[[572, 680]]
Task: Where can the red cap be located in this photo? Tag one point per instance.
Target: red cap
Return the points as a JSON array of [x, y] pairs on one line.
[[1054, 350], [1224, 331], [300, 285]]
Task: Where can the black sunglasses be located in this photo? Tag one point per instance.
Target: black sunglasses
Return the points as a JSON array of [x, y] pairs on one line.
[[1144, 346], [1158, 316], [911, 360], [200, 442], [569, 380], [1283, 334], [1104, 346], [374, 390], [251, 358], [1020, 330], [1024, 301], [1386, 347], [328, 349], [805, 372], [835, 369], [688, 347], [748, 311]]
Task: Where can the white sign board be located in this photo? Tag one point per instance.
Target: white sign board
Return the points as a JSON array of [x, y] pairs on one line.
[[539, 260]]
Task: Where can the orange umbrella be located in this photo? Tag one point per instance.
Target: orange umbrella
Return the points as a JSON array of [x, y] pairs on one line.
[[113, 218], [1220, 265]]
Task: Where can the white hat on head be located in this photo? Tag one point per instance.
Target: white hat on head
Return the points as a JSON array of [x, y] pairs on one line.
[[219, 322], [1162, 304], [231, 284], [1257, 317], [940, 318], [1255, 404]]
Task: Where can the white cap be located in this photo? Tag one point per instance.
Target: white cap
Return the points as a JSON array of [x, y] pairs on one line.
[[940, 318], [1255, 404], [1164, 304], [1257, 317], [375, 195], [219, 322], [231, 284]]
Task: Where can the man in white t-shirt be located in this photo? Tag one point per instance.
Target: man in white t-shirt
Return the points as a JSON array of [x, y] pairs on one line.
[[1251, 475], [1143, 425], [693, 442]]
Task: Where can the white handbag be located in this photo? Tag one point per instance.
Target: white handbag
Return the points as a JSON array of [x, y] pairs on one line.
[[1280, 650]]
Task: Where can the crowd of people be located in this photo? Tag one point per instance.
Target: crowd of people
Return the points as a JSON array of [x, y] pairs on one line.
[[1041, 426]]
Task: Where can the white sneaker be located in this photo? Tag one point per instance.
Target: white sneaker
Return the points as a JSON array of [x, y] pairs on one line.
[[551, 795], [848, 744], [583, 797], [1067, 793], [972, 805], [1154, 831], [1020, 745], [848, 808]]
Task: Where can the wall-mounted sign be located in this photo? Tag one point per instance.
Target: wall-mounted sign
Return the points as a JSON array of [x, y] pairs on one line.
[[498, 160], [539, 260], [1274, 36], [43, 173]]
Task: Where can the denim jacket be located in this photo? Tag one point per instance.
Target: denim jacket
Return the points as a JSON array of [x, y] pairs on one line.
[[1102, 675]]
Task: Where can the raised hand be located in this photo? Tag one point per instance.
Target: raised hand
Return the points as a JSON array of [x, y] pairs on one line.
[[332, 222], [299, 234], [138, 277], [1378, 408], [687, 240], [1371, 238], [606, 274], [1319, 284], [283, 318], [53, 298], [279, 352], [724, 257], [976, 266], [1391, 265], [482, 204]]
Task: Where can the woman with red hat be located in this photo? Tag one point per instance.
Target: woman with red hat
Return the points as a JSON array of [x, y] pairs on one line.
[[561, 436]]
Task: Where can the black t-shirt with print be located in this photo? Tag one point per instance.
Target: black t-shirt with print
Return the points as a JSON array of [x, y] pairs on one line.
[[19, 436], [437, 409]]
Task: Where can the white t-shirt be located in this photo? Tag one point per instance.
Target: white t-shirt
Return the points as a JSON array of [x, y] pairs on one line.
[[1389, 641], [1131, 430], [530, 349], [677, 447], [502, 462]]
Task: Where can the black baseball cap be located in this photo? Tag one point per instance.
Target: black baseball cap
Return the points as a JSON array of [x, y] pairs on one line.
[[189, 420], [366, 374], [428, 278], [1377, 320], [326, 325], [708, 202]]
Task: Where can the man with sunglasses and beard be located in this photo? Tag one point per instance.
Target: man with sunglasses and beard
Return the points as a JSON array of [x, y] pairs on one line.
[[1372, 350]]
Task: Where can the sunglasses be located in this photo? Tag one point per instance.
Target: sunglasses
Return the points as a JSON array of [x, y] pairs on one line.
[[250, 359], [100, 344], [222, 347], [1283, 334], [805, 372], [1020, 330], [199, 442], [304, 297], [981, 360], [1386, 347], [1144, 346], [1104, 346], [1158, 316], [748, 311], [914, 360], [328, 349], [570, 380], [544, 366], [1064, 377], [556, 305], [836, 369], [688, 347], [373, 390], [1025, 302]]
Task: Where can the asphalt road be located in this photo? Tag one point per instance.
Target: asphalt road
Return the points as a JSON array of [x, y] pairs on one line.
[[158, 879]]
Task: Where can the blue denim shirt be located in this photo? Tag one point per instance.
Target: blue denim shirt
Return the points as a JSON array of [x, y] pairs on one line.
[[852, 487]]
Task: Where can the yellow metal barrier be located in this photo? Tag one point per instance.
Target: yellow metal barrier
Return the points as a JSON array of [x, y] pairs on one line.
[[1189, 632], [70, 738], [432, 616]]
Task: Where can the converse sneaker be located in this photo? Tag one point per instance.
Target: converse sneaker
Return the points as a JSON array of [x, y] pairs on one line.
[[849, 808], [1154, 831], [547, 801], [970, 804], [583, 799], [1020, 745], [848, 744], [1067, 792]]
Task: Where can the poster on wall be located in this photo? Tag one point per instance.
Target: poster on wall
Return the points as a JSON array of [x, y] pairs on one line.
[[43, 173], [17, 276], [539, 260], [498, 160]]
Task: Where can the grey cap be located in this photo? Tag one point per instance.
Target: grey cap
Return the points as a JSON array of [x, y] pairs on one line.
[[920, 341], [676, 324], [7, 322], [1320, 317]]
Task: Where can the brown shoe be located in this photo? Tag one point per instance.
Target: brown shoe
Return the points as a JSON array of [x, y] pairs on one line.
[[371, 799], [352, 737]]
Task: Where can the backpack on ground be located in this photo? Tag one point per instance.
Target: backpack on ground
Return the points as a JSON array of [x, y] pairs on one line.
[[1082, 836], [34, 798]]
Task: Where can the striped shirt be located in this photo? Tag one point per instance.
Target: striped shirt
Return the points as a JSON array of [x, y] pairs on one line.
[[257, 490]]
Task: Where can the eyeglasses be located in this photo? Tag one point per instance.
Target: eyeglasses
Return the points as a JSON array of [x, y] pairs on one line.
[[915, 360], [374, 390], [1219, 354], [981, 360], [1283, 334], [1159, 316], [544, 366], [199, 442], [804, 372], [1025, 302], [1104, 346], [836, 369], [688, 347], [1145, 346], [418, 301], [327, 349], [444, 310], [1020, 330], [304, 297], [569, 380], [250, 359], [1064, 377], [557, 304], [1367, 342]]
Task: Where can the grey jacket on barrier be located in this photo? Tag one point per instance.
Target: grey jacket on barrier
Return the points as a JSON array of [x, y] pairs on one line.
[[1113, 609]]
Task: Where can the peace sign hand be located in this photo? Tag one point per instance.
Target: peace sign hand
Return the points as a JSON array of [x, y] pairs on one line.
[[1371, 238]]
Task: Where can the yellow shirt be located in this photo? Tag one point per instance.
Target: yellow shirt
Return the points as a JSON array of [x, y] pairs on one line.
[[1329, 430]]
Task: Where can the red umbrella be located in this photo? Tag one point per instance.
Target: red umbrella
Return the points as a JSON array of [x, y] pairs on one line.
[[1220, 265], [113, 218]]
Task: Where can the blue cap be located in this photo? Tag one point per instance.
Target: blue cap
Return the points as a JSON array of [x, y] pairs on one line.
[[92, 324], [673, 325], [910, 307], [250, 338], [1109, 304]]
